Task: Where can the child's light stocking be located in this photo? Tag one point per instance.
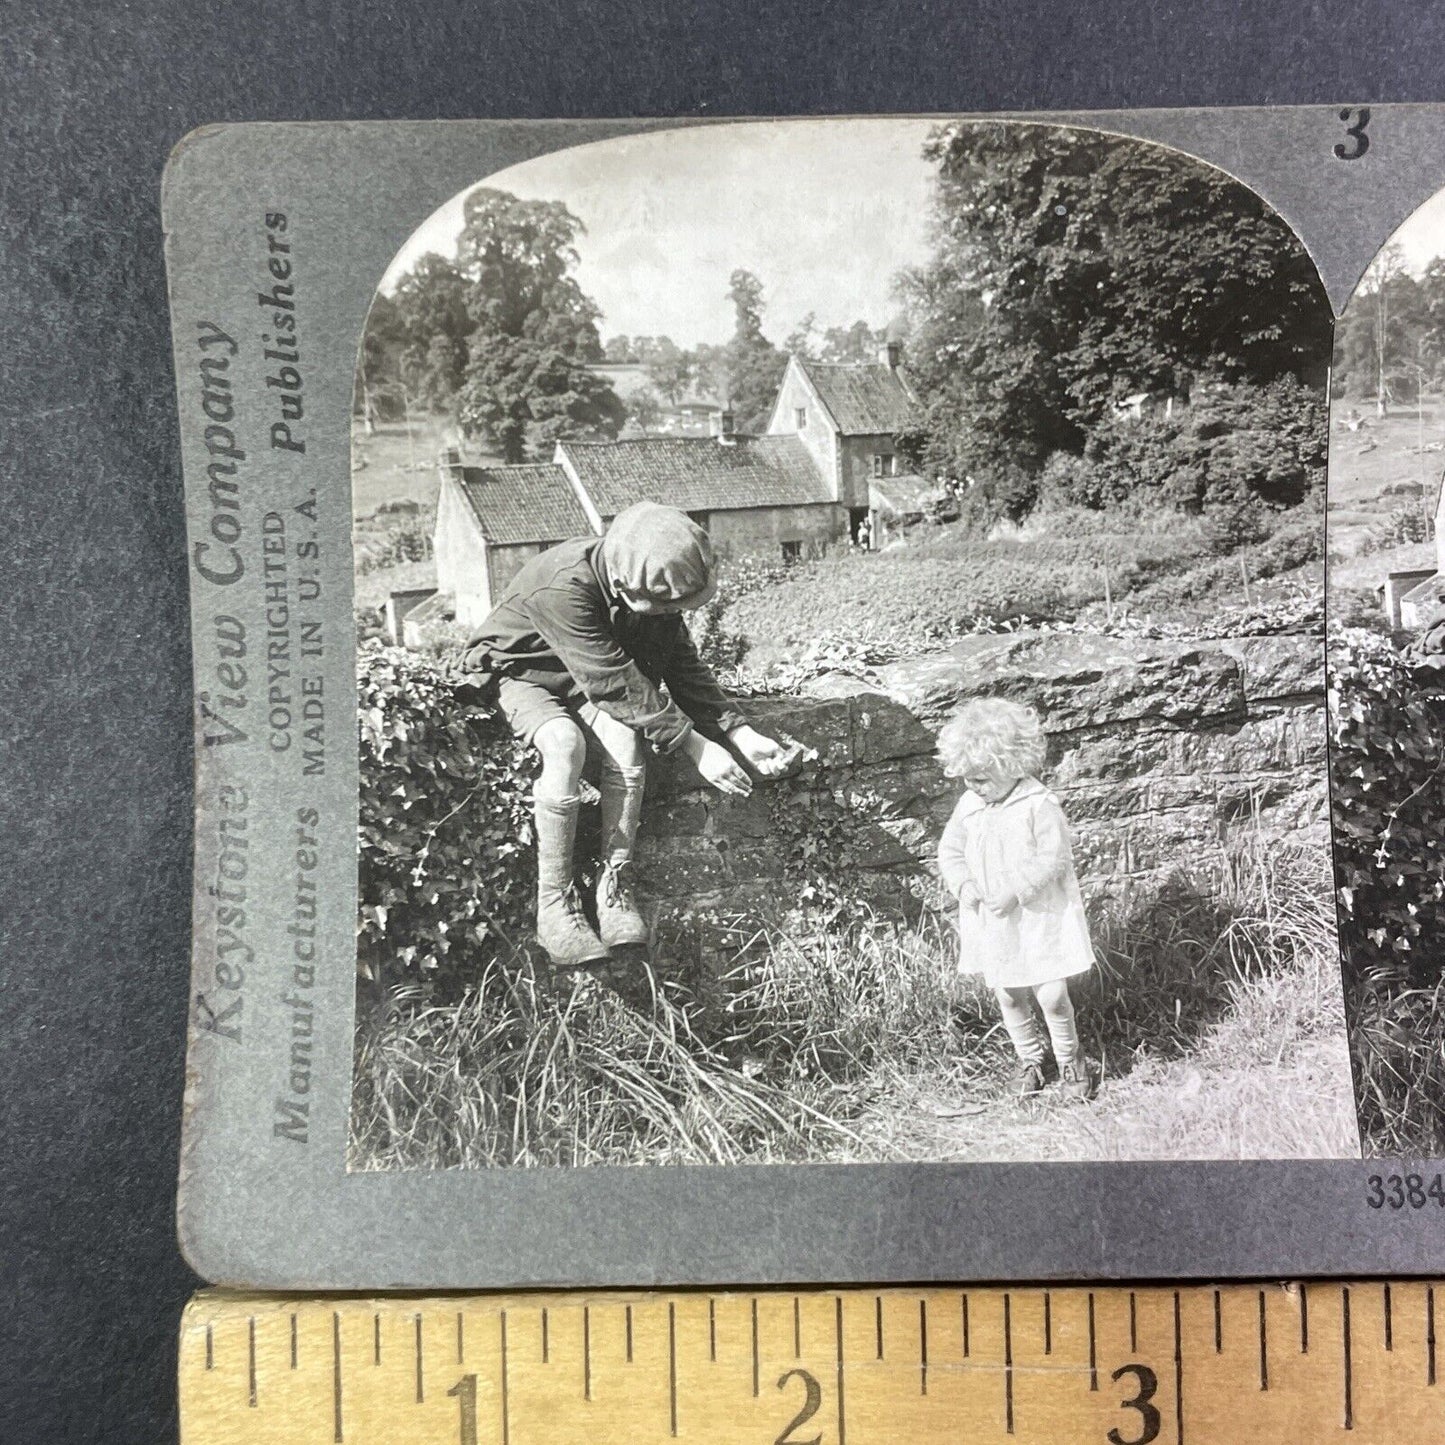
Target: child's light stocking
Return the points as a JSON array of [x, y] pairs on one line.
[[1018, 1019], [1058, 1009]]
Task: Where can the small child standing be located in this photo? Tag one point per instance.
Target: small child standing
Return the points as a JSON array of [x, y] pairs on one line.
[[1005, 856]]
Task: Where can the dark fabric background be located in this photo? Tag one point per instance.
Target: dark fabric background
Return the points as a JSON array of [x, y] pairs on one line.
[[94, 665]]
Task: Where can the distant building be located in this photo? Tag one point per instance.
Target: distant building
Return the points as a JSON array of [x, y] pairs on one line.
[[827, 468], [1416, 600]]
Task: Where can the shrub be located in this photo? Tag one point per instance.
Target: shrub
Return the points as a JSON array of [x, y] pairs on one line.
[[1387, 773], [445, 869], [1236, 443]]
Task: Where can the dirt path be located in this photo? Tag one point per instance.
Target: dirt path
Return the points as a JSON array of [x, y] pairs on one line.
[[1300, 1106]]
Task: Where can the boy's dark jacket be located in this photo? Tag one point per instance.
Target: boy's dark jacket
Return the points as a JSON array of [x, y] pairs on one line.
[[560, 619]]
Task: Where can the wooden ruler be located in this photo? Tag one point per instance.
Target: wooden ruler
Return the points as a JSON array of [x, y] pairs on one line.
[[1197, 1366]]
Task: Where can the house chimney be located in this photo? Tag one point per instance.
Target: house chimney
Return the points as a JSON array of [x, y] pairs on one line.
[[890, 354], [724, 424]]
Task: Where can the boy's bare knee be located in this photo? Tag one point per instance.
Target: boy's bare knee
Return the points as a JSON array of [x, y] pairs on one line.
[[562, 746]]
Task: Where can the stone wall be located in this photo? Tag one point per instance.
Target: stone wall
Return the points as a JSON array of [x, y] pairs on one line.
[[1160, 752]]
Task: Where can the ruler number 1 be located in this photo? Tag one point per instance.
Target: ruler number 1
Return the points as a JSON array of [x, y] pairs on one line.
[[465, 1390], [811, 1406], [1148, 1383]]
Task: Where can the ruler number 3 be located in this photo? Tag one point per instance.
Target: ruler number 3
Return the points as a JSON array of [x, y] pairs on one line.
[[1355, 123], [811, 1405], [1148, 1383]]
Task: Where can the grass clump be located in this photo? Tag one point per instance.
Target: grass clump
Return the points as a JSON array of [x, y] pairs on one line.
[[788, 1040]]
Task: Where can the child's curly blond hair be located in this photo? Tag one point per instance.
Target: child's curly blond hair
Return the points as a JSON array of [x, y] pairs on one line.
[[992, 734]]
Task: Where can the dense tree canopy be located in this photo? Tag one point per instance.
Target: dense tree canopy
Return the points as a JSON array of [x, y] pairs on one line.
[[1071, 269], [502, 333]]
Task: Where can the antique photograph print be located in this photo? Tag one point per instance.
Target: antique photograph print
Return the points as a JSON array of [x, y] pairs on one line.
[[1387, 683], [841, 657]]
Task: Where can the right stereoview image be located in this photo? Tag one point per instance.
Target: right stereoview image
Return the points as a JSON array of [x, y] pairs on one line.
[[1386, 609]]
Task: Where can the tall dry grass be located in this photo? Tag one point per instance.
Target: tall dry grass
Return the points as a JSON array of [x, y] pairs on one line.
[[773, 1042]]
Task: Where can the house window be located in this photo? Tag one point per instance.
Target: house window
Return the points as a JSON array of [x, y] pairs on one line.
[[883, 465], [800, 417], [792, 551]]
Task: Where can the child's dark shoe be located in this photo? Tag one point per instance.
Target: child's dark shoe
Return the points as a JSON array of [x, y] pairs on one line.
[[618, 920], [1077, 1081], [563, 930], [1027, 1080]]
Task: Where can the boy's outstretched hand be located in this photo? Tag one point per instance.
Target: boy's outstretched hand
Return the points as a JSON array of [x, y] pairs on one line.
[[717, 766], [766, 754]]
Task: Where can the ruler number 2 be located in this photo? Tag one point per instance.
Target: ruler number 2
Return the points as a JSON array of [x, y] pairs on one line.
[[1148, 1383], [811, 1405]]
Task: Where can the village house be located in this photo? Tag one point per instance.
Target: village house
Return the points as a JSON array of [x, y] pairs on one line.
[[1415, 599], [826, 469]]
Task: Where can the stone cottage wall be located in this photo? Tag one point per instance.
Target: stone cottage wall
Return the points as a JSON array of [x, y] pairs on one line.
[[1161, 752]]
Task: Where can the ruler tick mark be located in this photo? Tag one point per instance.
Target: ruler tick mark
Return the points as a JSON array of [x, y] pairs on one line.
[[838, 1331], [672, 1367], [293, 1341], [251, 1361], [1218, 1325], [797, 1329], [545, 1350], [1304, 1319], [1430, 1336], [1048, 1324], [965, 1327], [712, 1330], [1008, 1366], [922, 1347], [1093, 1348], [210, 1349], [878, 1322], [1263, 1346], [459, 1335], [1178, 1373], [336, 1373], [586, 1353], [755, 1348], [1345, 1342], [376, 1339], [628, 1317], [1133, 1324], [1389, 1323], [506, 1402], [419, 1393]]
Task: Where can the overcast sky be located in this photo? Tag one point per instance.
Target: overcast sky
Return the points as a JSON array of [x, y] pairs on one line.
[[824, 212], [1422, 236]]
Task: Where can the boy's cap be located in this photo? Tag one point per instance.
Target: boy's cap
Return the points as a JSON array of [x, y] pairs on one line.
[[658, 554]]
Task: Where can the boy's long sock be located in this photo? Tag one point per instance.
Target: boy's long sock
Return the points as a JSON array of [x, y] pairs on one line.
[[618, 919], [562, 928]]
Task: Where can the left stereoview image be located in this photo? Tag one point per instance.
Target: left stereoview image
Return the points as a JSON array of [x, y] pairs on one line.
[[840, 610]]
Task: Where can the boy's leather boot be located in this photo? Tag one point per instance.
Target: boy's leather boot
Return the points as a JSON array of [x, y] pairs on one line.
[[562, 927], [618, 920]]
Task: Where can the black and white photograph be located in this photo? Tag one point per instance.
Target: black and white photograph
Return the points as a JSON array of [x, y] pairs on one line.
[[840, 612], [1387, 681]]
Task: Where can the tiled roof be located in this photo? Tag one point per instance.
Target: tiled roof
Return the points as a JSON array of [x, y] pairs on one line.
[[900, 495], [863, 399], [531, 503], [698, 474]]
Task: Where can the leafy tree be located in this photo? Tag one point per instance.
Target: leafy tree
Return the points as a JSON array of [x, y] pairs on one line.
[[1392, 332], [1070, 269], [855, 343], [645, 409], [754, 365], [431, 314], [533, 332], [670, 369], [618, 349]]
